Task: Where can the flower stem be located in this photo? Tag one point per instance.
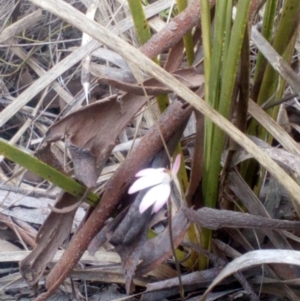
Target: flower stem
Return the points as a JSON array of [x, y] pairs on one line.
[[181, 289]]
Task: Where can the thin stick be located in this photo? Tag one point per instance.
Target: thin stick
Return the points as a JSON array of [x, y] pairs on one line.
[[181, 290]]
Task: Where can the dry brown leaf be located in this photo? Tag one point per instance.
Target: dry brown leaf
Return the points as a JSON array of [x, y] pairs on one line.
[[283, 157], [188, 76], [31, 209], [48, 155], [197, 160], [106, 232], [217, 261], [129, 237], [91, 133], [175, 57], [254, 258], [254, 206], [130, 253], [158, 249], [50, 236]]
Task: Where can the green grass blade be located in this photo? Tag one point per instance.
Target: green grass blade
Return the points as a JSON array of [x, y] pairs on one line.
[[267, 28], [270, 86], [286, 27], [227, 84], [188, 38], [140, 22], [206, 42], [223, 98], [144, 34], [45, 171], [228, 25], [214, 82]]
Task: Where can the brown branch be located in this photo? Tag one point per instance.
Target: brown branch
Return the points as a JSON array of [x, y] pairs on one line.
[[172, 33], [115, 188], [216, 219]]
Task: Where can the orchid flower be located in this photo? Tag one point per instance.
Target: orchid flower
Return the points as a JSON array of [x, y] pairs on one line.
[[160, 180]]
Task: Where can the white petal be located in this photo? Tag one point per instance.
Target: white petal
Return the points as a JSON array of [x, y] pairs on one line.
[[157, 195], [164, 194], [176, 165], [149, 172], [148, 181], [149, 198]]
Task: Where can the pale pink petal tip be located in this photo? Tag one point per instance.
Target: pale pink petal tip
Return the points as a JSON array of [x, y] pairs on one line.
[[176, 165]]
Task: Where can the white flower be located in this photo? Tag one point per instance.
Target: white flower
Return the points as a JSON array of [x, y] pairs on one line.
[[160, 179]]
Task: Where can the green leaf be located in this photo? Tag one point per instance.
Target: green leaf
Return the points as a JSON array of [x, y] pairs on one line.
[[45, 171]]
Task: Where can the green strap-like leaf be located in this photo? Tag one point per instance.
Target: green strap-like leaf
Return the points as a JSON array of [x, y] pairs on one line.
[[45, 171]]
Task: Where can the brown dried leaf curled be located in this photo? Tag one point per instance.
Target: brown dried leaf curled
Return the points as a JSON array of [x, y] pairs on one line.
[[50, 236], [91, 133]]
